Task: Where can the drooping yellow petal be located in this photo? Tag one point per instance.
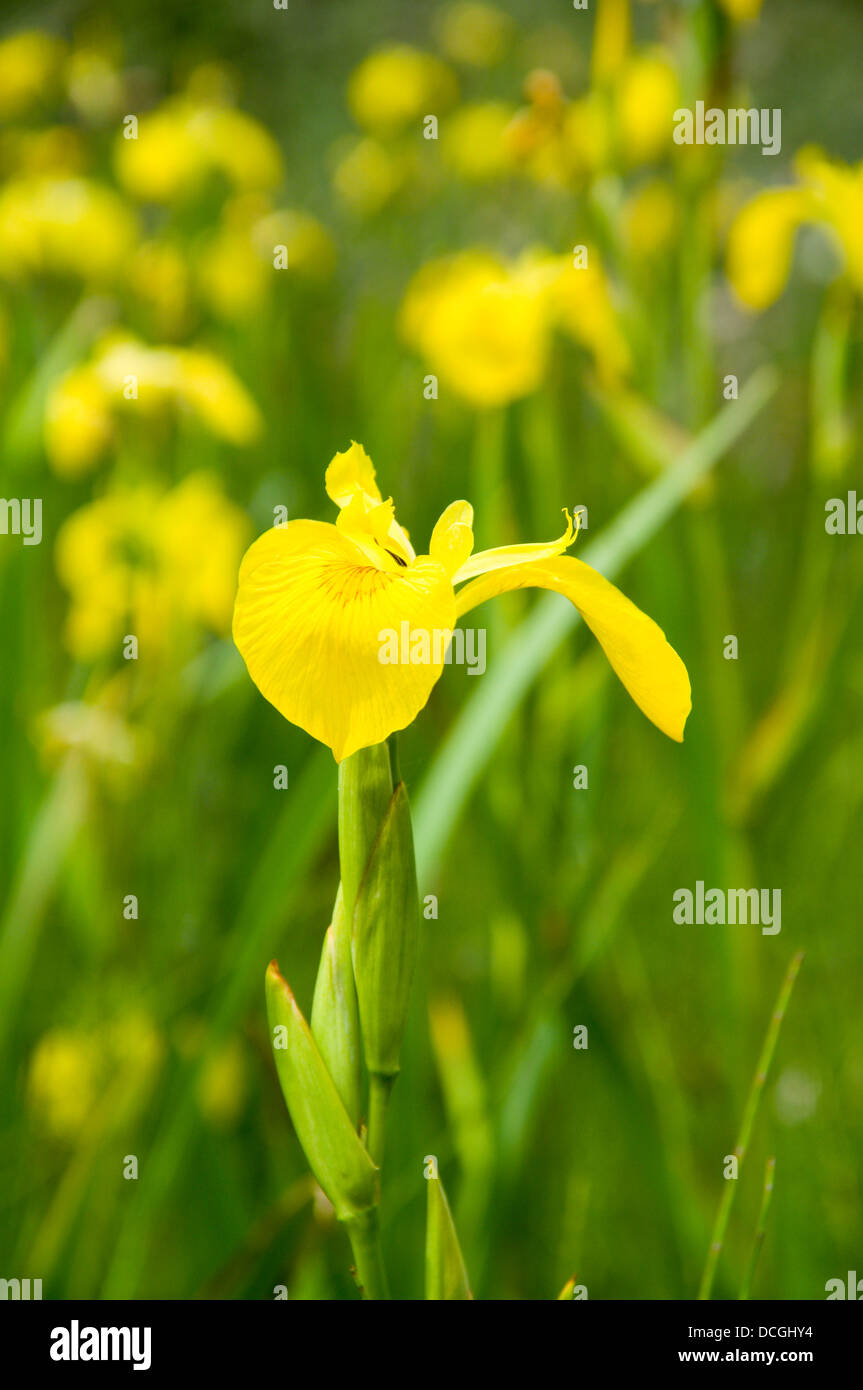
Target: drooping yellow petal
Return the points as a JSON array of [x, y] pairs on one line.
[[452, 537], [636, 647], [506, 556], [350, 472], [313, 619]]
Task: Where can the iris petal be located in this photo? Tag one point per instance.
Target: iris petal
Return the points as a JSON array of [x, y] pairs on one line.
[[350, 472], [636, 647], [505, 556], [309, 617], [452, 537]]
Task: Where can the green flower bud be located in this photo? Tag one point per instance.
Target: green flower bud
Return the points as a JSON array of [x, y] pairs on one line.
[[331, 1145], [335, 1021]]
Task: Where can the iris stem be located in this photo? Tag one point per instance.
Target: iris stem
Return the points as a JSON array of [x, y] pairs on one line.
[[380, 1088], [365, 1237]]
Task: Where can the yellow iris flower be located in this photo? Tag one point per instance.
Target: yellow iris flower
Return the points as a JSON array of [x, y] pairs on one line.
[[29, 71], [314, 601], [64, 226], [397, 85], [82, 406], [181, 143], [761, 238], [485, 325], [155, 563]]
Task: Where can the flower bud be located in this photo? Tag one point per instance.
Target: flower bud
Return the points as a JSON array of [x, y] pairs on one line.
[[331, 1145], [335, 1022]]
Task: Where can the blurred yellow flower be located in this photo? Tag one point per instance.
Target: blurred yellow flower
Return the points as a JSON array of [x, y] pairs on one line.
[[78, 423], [534, 137], [397, 85], [63, 1081], [183, 142], [474, 141], [648, 93], [66, 226], [94, 83], [223, 1084], [612, 34], [57, 150], [237, 263], [481, 326], [315, 602], [761, 238], [311, 250], [217, 397], [761, 243], [368, 175], [836, 193], [29, 71], [484, 327], [233, 277], [580, 302], [152, 563], [80, 1076], [587, 136], [742, 10], [160, 278], [126, 374], [473, 33], [96, 731]]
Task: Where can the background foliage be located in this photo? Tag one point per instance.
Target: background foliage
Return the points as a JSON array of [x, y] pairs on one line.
[[148, 1036]]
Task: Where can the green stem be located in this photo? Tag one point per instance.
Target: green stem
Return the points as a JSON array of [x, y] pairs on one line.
[[380, 1088], [364, 1234], [720, 1225]]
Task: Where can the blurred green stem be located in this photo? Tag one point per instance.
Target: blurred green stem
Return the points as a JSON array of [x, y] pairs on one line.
[[760, 1228], [720, 1225]]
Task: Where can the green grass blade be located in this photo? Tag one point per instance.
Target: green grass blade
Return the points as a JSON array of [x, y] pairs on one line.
[[753, 1100]]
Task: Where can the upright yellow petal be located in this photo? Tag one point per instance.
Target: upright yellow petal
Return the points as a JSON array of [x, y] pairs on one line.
[[648, 666], [350, 472], [312, 621], [452, 537], [507, 556]]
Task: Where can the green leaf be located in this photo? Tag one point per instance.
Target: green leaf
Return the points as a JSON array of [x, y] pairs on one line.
[[329, 1140], [446, 1276]]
